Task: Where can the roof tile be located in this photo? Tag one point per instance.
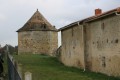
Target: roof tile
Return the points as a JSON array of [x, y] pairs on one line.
[[37, 22]]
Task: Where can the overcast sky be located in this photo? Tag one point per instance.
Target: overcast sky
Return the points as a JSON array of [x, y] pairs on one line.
[[15, 13]]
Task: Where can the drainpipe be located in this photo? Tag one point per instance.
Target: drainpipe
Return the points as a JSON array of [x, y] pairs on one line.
[[82, 41], [118, 14]]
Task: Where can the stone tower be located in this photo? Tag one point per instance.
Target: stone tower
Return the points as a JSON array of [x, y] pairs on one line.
[[37, 36]]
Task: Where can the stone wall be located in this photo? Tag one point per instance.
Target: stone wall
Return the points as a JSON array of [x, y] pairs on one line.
[[53, 43], [102, 45], [73, 47], [36, 42], [95, 47]]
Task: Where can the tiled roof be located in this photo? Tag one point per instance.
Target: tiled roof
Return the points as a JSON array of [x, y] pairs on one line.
[[36, 23], [116, 10]]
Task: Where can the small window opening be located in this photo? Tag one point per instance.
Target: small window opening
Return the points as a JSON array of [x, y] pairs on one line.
[[44, 26], [107, 40], [116, 41]]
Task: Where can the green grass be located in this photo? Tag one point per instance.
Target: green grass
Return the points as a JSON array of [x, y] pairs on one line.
[[49, 68]]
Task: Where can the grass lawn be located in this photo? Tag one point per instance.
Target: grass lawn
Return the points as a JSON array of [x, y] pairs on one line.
[[49, 68]]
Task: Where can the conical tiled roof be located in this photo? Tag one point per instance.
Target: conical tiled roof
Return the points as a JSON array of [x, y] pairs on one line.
[[36, 23]]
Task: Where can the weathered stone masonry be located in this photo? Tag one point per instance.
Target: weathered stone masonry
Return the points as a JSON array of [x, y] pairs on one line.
[[93, 43], [72, 47], [103, 45], [37, 36], [90, 44]]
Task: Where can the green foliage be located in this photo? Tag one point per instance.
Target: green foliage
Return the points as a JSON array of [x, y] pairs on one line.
[[5, 66], [49, 68], [12, 50]]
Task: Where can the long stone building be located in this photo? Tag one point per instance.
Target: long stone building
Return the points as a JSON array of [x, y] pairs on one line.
[[93, 43], [37, 36]]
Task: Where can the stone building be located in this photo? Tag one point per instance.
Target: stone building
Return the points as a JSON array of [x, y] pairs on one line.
[[72, 45], [93, 43], [37, 36]]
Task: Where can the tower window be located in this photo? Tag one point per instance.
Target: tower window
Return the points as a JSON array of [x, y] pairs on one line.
[[44, 26]]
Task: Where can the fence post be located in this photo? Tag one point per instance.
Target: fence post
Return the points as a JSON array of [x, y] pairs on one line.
[[28, 76]]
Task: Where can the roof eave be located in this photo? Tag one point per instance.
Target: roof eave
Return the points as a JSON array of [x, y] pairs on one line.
[[68, 26], [89, 19], [98, 17], [36, 30]]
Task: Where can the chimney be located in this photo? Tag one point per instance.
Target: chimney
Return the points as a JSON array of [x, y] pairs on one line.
[[98, 12]]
